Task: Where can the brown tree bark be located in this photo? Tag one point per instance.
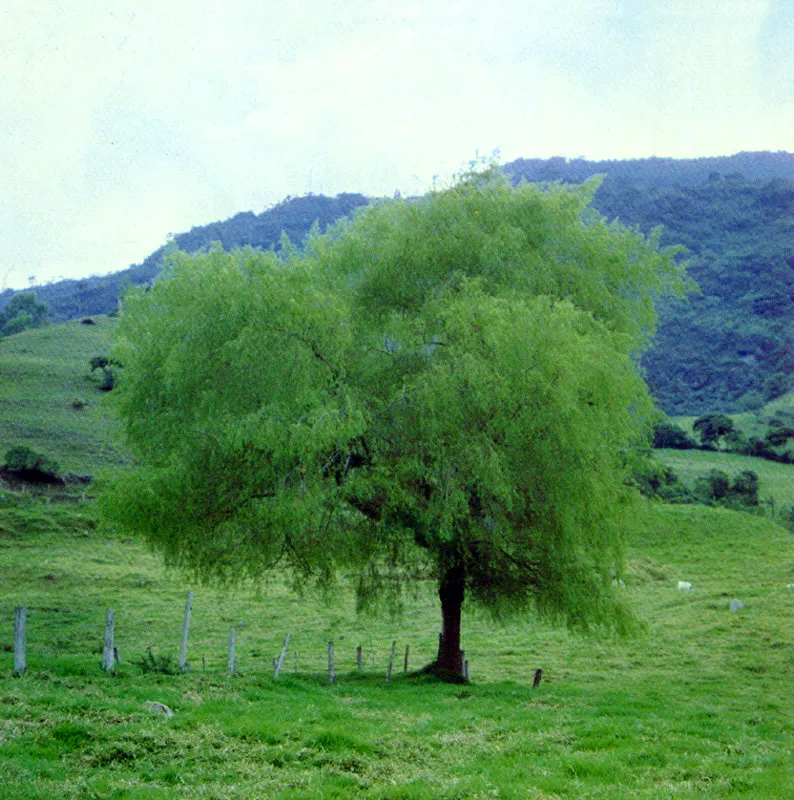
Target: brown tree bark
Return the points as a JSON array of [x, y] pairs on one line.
[[451, 594]]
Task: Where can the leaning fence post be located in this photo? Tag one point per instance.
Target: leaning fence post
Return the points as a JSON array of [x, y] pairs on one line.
[[278, 662], [331, 670], [185, 629], [108, 652], [20, 619], [232, 663]]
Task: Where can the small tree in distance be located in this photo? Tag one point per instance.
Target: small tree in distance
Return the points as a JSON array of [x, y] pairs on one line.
[[443, 388], [712, 427]]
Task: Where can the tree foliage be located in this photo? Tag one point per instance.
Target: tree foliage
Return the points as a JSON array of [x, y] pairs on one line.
[[440, 388], [22, 311], [713, 427]]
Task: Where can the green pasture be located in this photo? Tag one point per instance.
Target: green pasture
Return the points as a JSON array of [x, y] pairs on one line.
[[697, 706], [775, 481], [48, 400]]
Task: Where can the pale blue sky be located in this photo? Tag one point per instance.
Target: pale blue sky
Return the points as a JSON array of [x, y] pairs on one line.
[[124, 121]]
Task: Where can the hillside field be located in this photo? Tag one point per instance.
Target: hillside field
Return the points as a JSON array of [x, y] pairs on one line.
[[48, 400], [697, 705]]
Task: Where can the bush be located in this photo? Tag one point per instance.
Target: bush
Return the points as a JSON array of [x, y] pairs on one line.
[[107, 375], [29, 464], [718, 489], [668, 434], [711, 428], [745, 488], [778, 437], [22, 311], [656, 480]]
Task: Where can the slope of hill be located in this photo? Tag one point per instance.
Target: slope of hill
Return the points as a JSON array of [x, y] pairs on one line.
[[294, 216], [49, 401], [729, 349]]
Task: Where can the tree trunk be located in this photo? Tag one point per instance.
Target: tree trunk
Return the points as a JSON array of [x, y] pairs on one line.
[[450, 592]]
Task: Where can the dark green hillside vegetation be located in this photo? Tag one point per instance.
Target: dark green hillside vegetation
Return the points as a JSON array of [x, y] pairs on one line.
[[729, 349], [49, 403], [697, 707]]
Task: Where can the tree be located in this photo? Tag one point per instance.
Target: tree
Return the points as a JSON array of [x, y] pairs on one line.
[[667, 434], [712, 427], [22, 311], [745, 487], [443, 388]]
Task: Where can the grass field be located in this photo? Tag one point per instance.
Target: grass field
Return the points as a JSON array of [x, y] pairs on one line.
[[697, 706], [42, 373], [775, 481]]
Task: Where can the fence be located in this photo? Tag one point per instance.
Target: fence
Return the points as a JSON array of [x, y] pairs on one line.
[[111, 658]]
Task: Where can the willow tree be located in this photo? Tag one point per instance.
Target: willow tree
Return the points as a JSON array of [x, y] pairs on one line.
[[444, 388]]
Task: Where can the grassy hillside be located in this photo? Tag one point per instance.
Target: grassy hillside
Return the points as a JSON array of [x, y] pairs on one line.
[[753, 423], [49, 403], [775, 481], [696, 707]]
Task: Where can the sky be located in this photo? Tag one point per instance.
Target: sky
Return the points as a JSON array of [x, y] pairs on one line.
[[124, 122]]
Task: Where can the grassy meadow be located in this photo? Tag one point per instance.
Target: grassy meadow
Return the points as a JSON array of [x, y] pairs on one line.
[[698, 705], [775, 480], [48, 400]]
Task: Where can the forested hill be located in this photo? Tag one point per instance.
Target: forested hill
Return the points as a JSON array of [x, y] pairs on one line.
[[657, 172], [732, 347], [294, 216], [728, 349]]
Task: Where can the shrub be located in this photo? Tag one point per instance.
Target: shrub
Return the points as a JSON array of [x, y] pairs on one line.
[[718, 489], [107, 375], [98, 362], [668, 434], [745, 488], [777, 437], [711, 428], [28, 463]]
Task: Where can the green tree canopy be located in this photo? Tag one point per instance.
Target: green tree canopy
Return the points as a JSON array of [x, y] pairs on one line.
[[712, 427], [21, 312], [440, 388]]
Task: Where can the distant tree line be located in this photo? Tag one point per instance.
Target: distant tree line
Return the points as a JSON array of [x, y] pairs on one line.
[[718, 431]]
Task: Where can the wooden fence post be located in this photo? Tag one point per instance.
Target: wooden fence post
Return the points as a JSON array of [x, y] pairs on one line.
[[391, 660], [20, 620], [405, 663], [331, 670], [232, 661], [185, 629], [359, 657], [278, 662], [108, 652]]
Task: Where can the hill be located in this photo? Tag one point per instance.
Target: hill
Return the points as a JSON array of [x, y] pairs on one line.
[[50, 403], [730, 348]]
